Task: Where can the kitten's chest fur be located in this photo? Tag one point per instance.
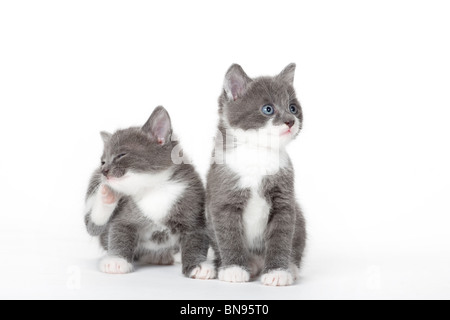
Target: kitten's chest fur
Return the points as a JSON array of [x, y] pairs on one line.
[[157, 202], [252, 166]]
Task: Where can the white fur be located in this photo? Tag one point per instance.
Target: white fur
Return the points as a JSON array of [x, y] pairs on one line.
[[258, 154], [255, 218], [101, 212], [205, 271], [278, 278], [286, 138], [89, 203], [155, 194], [211, 254], [115, 265], [253, 164], [177, 257], [295, 271], [234, 274], [133, 183], [157, 202]]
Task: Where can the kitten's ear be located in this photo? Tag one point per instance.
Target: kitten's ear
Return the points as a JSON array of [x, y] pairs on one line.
[[236, 82], [288, 73], [105, 136], [159, 126]]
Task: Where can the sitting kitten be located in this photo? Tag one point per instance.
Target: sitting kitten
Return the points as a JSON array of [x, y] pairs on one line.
[[143, 206], [253, 216]]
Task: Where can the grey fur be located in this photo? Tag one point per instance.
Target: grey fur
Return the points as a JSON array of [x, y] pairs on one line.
[[285, 235], [160, 236], [148, 150], [244, 112]]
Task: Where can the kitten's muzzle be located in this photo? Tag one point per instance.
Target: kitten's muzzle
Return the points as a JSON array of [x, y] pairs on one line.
[[289, 123], [105, 172]]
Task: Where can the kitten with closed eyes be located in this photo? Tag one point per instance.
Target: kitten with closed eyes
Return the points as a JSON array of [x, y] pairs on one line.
[[143, 207], [255, 222]]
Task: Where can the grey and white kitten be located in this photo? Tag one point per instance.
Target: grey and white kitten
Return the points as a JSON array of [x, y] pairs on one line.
[[254, 219], [143, 207]]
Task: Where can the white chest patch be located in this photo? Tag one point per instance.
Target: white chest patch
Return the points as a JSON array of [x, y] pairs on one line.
[[156, 202], [255, 218], [256, 155], [252, 164]]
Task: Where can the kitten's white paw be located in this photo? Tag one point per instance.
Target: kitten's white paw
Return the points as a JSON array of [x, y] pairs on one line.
[[205, 271], [234, 274], [278, 278], [115, 265], [107, 195]]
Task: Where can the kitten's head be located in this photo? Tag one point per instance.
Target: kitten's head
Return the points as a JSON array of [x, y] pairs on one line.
[[266, 104], [133, 155]]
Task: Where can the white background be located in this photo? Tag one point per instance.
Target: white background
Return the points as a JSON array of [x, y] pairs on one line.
[[372, 163]]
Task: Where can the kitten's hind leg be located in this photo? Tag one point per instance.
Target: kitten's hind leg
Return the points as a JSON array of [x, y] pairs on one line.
[[166, 258], [160, 257], [121, 246]]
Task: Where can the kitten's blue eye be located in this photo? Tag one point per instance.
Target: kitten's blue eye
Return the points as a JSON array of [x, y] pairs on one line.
[[293, 109], [268, 110], [120, 156]]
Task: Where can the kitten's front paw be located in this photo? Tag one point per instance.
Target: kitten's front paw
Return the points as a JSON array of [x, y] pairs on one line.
[[115, 265], [277, 278], [234, 274], [205, 271], [108, 196]]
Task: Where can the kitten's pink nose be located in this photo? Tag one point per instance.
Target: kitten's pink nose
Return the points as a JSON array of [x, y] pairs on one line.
[[290, 123], [105, 172]]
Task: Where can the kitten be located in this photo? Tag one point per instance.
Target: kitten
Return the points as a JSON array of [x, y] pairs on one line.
[[145, 208], [253, 216]]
